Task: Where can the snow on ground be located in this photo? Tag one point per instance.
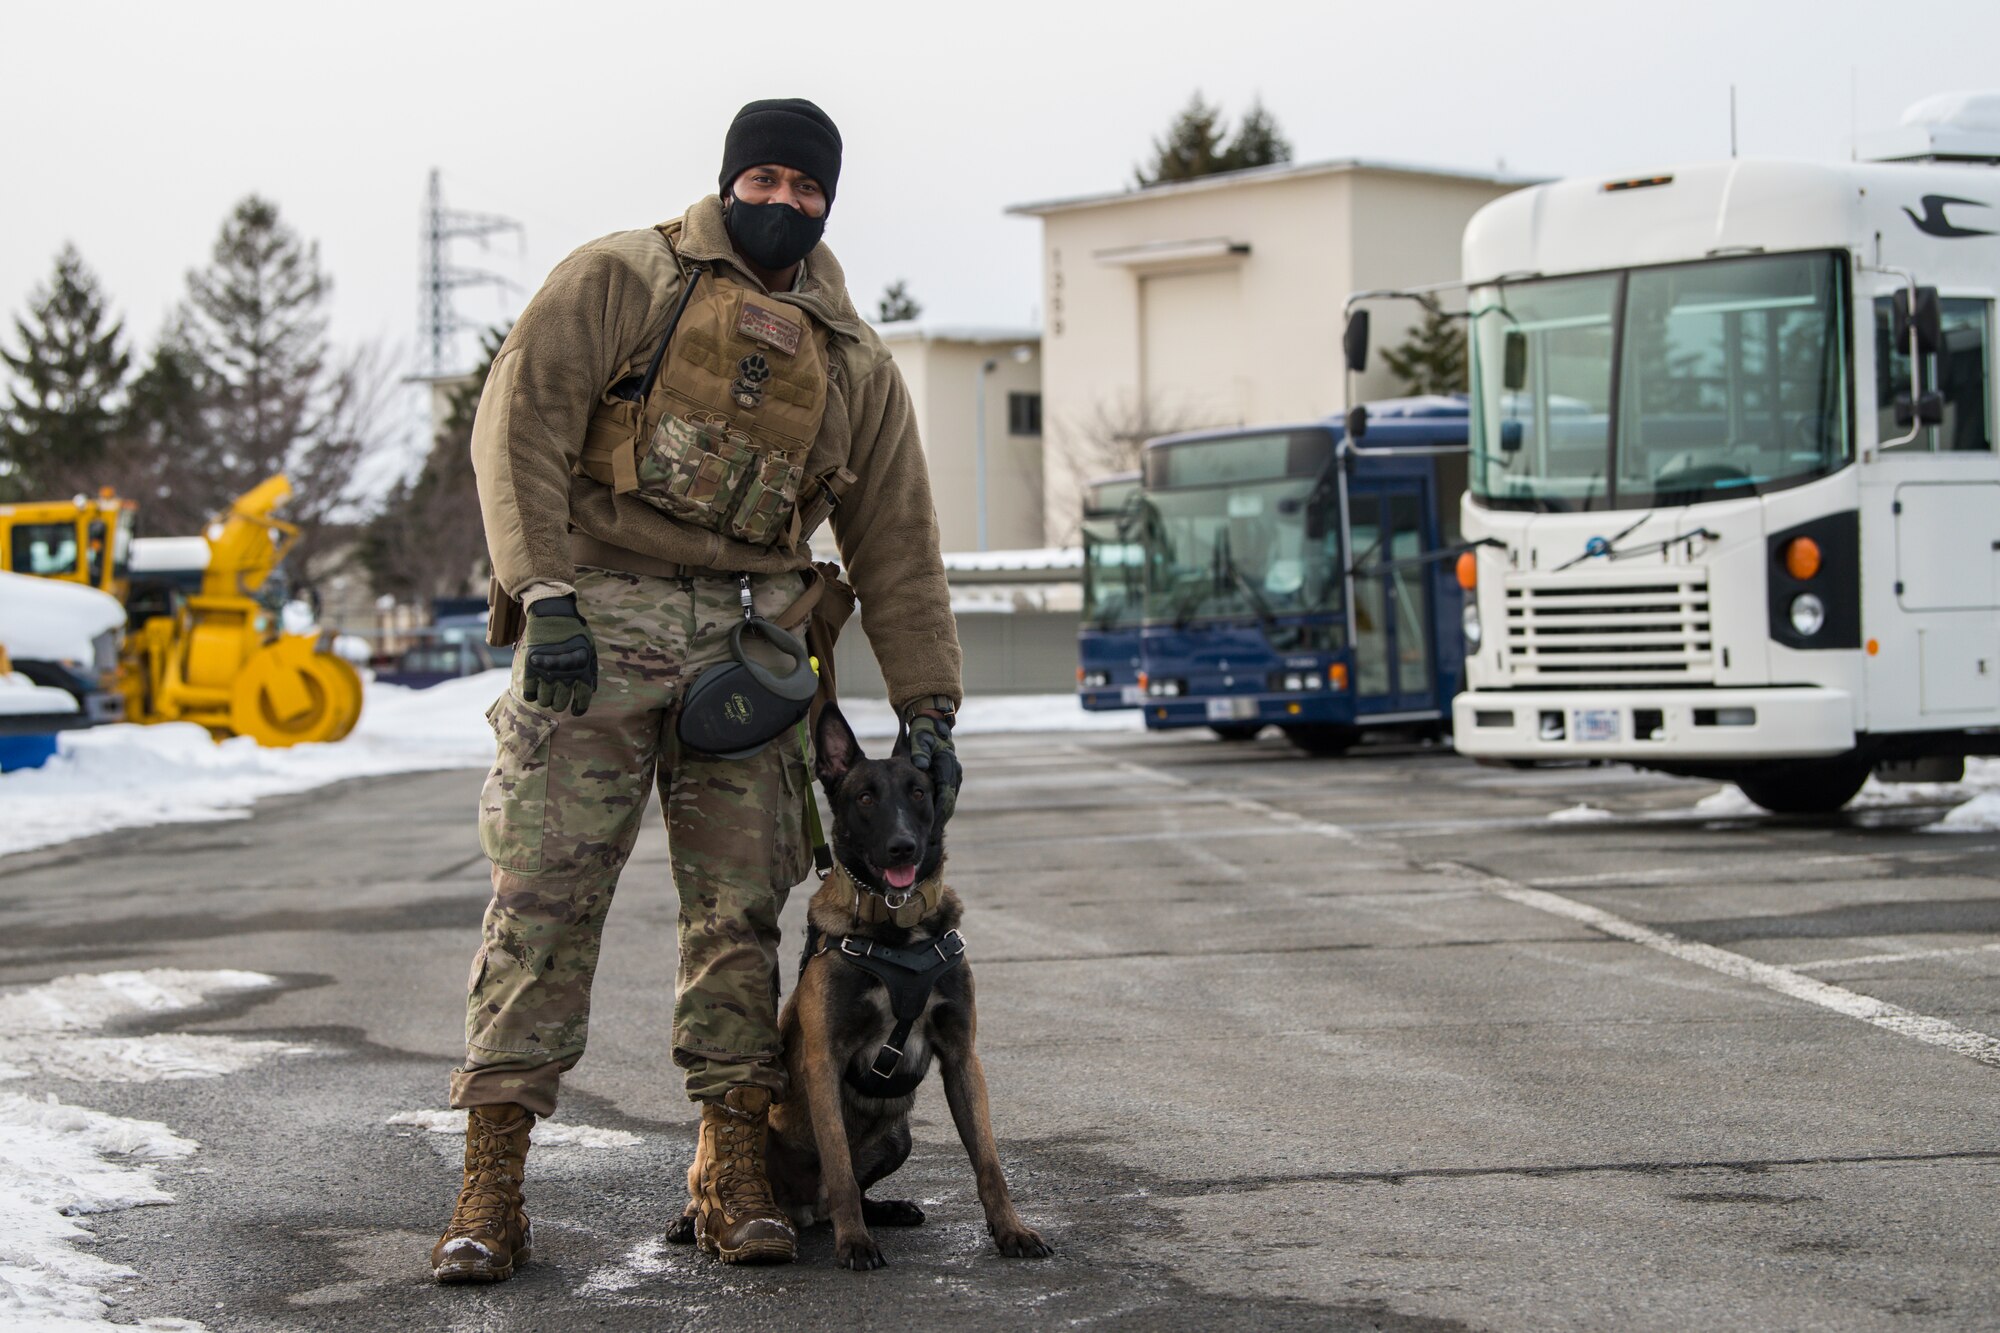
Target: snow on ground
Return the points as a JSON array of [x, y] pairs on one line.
[[60, 1162], [1582, 813], [1977, 799], [128, 776], [545, 1134]]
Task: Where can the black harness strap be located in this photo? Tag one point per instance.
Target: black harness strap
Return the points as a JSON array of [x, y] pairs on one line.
[[910, 974]]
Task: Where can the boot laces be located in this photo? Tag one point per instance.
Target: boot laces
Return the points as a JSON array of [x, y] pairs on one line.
[[741, 1186], [485, 1200]]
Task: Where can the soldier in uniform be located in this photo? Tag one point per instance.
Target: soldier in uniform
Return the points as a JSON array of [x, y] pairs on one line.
[[676, 412]]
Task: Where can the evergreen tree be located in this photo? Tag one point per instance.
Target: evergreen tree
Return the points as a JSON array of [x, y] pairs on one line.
[[163, 441], [1258, 142], [897, 304], [62, 410], [1432, 360], [1192, 146], [256, 323]]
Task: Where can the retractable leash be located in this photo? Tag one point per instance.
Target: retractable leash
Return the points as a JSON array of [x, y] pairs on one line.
[[735, 708]]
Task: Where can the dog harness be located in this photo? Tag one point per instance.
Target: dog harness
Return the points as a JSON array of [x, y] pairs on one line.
[[909, 973]]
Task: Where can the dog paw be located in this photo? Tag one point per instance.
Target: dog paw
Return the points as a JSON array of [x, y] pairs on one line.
[[682, 1231], [891, 1213], [859, 1253], [1022, 1244]]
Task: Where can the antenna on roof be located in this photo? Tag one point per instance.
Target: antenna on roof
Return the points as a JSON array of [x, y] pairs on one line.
[[1732, 120]]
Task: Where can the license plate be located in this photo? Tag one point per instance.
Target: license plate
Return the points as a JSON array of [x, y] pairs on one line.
[[1233, 709], [1594, 724], [1129, 696]]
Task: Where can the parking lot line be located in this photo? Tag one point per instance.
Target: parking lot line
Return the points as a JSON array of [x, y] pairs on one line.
[[1974, 1045], [1910, 956]]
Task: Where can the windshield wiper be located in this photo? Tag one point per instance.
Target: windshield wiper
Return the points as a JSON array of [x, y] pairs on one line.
[[1607, 547]]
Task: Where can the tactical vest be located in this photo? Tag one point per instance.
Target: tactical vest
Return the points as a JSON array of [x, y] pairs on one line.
[[716, 432]]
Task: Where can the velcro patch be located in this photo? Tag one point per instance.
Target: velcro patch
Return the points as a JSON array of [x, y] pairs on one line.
[[768, 327]]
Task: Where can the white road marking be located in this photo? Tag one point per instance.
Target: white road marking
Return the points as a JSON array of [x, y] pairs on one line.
[[1910, 957], [1786, 981]]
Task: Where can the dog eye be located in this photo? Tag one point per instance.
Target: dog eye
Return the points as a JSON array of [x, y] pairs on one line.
[[865, 798], [920, 794]]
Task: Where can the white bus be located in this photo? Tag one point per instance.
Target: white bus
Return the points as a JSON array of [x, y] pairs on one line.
[[1733, 470]]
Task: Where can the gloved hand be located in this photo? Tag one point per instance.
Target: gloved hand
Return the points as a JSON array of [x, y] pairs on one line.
[[929, 722], [559, 669]]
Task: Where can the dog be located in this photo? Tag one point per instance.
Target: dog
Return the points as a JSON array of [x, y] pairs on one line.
[[883, 960]]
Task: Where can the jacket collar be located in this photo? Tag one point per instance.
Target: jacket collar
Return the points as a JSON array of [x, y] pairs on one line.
[[703, 237], [870, 907]]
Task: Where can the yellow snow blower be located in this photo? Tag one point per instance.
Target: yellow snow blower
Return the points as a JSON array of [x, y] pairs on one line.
[[221, 660]]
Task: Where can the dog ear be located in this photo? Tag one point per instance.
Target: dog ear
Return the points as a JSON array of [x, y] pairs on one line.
[[835, 749], [901, 749]]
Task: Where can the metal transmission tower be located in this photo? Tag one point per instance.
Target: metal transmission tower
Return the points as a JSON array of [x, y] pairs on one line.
[[439, 321]]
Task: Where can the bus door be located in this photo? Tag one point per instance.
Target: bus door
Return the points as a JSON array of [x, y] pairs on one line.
[[1394, 671]]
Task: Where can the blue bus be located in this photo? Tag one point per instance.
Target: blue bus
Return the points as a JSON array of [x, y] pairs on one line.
[[1114, 592], [1297, 579]]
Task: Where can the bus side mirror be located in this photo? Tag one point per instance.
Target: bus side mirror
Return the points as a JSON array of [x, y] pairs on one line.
[[1357, 421], [1354, 342], [1929, 409], [1510, 437], [1514, 361], [1923, 316]]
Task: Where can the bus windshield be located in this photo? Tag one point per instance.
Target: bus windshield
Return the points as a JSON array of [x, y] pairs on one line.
[[1238, 549], [1659, 386], [1114, 573]]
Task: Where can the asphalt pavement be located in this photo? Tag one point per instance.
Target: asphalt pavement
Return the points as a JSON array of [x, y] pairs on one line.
[[1273, 1042]]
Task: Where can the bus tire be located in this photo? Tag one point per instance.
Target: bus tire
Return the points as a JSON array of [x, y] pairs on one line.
[[1322, 739], [1805, 787], [1237, 731]]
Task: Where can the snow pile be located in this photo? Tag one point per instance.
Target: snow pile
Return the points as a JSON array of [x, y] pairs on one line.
[[1582, 813], [128, 776], [50, 620], [60, 1162], [40, 1027], [21, 697], [1977, 799], [545, 1134]]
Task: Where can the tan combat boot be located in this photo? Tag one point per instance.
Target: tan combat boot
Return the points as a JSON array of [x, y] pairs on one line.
[[489, 1235], [736, 1219]]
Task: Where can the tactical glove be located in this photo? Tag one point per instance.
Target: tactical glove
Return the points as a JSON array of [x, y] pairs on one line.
[[930, 721], [559, 670]]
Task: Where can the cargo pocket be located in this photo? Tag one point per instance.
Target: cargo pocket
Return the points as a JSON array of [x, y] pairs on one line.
[[765, 510], [695, 471], [794, 850], [513, 806]]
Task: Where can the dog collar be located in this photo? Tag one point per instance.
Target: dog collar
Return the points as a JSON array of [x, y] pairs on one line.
[[904, 907]]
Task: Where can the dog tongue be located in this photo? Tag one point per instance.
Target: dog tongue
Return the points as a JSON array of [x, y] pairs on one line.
[[900, 877]]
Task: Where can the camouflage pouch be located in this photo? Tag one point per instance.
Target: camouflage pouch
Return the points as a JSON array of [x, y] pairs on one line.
[[765, 509], [696, 471]]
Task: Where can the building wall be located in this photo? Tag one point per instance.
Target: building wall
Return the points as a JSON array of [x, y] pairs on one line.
[[943, 375], [1138, 343]]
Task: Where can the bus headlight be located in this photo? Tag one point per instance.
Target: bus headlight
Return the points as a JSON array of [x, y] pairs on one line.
[[1474, 631], [1808, 614]]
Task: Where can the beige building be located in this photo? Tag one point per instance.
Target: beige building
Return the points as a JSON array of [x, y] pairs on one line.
[[1217, 302], [948, 370]]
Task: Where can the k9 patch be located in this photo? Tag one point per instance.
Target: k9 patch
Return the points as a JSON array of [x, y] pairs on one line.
[[769, 328]]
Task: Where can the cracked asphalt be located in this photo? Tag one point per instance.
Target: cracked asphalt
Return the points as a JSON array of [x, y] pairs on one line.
[[1274, 1042]]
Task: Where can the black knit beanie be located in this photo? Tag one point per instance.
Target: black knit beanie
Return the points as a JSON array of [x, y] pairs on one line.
[[789, 131]]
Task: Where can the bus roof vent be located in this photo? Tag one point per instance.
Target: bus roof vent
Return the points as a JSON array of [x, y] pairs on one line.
[[1948, 127]]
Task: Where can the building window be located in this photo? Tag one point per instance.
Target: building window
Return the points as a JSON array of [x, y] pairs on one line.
[[1024, 414]]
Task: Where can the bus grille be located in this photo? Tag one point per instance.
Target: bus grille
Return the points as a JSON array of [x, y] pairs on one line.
[[1610, 629]]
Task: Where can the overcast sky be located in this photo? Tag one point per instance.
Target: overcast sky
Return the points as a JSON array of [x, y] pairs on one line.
[[133, 127]]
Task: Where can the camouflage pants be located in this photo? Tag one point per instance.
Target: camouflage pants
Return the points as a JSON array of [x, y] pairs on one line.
[[558, 817]]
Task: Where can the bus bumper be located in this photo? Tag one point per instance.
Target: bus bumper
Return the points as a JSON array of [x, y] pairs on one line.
[[1331, 707], [1641, 727]]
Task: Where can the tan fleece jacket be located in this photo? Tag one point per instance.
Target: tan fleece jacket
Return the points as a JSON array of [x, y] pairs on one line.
[[597, 318]]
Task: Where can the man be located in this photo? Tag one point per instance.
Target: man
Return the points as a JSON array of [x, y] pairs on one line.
[[674, 413]]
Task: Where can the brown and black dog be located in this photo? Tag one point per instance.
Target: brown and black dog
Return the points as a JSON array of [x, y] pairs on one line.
[[881, 932]]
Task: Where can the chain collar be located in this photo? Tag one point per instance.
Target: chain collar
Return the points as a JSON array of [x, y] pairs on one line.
[[904, 907]]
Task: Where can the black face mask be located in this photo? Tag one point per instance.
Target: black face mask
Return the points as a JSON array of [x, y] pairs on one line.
[[772, 236]]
